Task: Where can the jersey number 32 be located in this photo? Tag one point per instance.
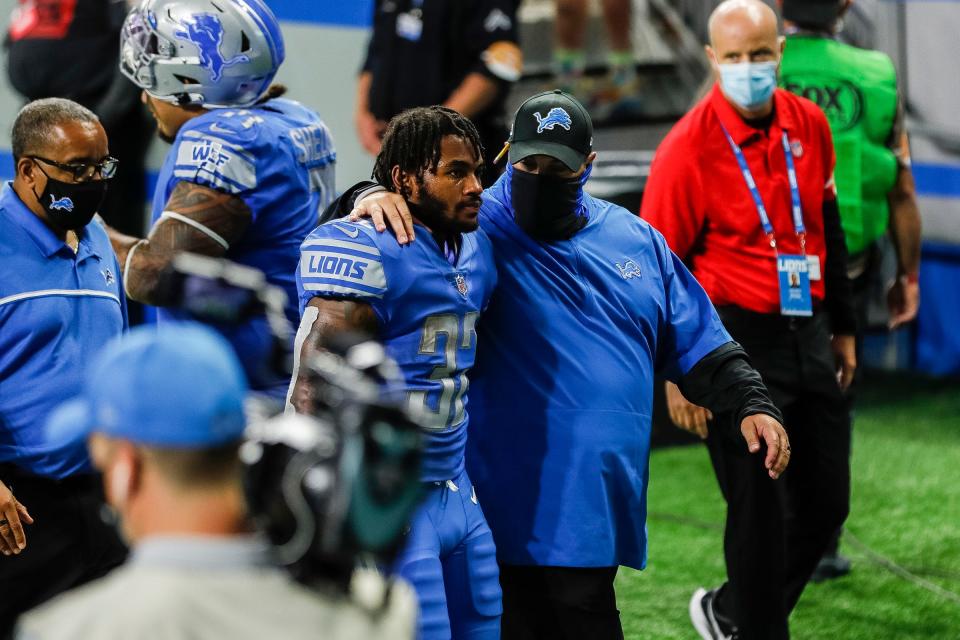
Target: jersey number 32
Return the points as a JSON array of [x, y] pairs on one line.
[[453, 386]]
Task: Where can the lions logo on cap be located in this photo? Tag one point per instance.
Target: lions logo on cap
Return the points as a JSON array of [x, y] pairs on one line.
[[555, 116]]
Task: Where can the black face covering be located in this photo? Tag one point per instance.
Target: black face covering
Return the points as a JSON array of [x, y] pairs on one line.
[[71, 205], [547, 208]]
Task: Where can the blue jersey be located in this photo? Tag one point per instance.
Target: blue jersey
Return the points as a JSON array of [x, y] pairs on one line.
[[563, 385], [57, 310], [427, 311], [278, 158]]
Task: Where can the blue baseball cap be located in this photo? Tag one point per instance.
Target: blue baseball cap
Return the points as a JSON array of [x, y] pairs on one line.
[[179, 385]]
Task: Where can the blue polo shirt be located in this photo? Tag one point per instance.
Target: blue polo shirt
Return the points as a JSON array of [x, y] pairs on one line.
[[561, 396], [57, 309]]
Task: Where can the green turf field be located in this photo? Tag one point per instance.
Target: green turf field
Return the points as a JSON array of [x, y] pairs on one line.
[[905, 509]]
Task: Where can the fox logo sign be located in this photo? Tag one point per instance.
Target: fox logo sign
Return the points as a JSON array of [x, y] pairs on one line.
[[63, 203], [555, 117]]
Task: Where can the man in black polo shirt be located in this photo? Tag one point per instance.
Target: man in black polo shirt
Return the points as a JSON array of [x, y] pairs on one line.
[[462, 54]]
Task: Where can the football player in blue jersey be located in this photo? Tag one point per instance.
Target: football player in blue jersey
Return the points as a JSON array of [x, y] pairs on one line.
[[424, 303], [248, 172], [590, 302]]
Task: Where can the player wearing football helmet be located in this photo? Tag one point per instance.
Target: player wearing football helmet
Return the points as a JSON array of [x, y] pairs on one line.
[[248, 171]]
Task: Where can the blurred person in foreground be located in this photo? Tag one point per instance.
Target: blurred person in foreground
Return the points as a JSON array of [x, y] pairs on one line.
[[589, 303], [61, 299], [173, 475], [462, 54], [742, 190], [248, 171], [857, 91]]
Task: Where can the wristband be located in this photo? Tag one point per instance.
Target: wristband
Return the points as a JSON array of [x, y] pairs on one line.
[[912, 278]]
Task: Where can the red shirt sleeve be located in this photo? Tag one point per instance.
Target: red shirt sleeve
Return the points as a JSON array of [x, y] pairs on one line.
[[672, 201]]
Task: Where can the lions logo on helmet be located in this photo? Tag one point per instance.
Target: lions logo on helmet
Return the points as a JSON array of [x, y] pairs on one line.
[[195, 52], [206, 31], [555, 117]]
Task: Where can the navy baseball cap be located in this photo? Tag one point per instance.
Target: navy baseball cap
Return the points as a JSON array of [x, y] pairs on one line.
[[815, 13], [555, 124], [176, 386]]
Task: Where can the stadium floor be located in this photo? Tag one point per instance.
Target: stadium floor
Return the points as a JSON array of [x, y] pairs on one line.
[[903, 531]]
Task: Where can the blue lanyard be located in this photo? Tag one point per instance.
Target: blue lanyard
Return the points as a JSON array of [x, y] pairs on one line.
[[797, 209]]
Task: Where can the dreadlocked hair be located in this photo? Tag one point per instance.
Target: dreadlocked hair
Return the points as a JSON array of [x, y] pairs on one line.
[[412, 142], [273, 91]]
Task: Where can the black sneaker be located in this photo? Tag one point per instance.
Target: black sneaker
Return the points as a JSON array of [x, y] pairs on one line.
[[704, 618], [830, 567]]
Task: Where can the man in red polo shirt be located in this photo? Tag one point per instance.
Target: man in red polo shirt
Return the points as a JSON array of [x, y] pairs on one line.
[[742, 189]]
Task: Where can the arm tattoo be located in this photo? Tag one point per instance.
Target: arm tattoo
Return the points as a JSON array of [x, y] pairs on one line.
[[225, 215], [335, 316]]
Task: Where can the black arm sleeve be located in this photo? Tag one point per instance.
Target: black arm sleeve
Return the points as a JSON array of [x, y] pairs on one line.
[[342, 206], [725, 382], [838, 300]]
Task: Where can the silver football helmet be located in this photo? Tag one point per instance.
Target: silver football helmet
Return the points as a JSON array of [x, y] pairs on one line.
[[214, 53]]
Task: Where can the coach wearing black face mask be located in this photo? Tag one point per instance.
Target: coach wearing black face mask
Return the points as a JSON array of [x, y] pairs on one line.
[[550, 162], [60, 300]]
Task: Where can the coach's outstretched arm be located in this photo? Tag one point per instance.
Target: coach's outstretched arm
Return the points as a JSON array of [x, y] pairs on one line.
[[724, 382], [197, 219]]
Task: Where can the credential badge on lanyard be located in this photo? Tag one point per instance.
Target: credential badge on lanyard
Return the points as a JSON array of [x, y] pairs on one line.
[[410, 23], [792, 270]]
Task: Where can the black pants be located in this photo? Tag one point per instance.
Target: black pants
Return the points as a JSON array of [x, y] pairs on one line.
[[67, 545], [559, 603], [861, 301], [776, 531]]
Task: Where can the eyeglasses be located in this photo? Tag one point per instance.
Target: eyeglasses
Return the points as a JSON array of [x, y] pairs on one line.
[[106, 168]]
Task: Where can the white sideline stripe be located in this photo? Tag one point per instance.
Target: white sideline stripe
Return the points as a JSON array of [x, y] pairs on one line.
[[207, 231], [87, 293]]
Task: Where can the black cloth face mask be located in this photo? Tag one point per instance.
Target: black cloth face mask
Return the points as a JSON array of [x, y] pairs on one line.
[[70, 206], [547, 208]]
